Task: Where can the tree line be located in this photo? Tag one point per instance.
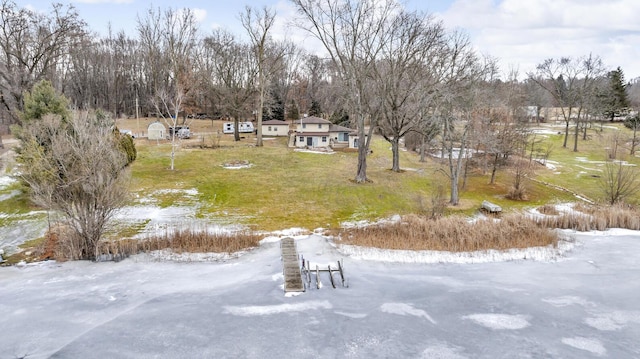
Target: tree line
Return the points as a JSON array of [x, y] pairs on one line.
[[387, 71]]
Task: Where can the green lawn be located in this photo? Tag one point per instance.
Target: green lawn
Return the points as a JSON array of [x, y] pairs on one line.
[[283, 188]]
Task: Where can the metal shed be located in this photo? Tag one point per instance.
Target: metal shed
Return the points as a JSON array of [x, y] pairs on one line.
[[156, 131]]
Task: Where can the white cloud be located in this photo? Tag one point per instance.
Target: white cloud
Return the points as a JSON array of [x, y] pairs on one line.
[[524, 33], [199, 14]]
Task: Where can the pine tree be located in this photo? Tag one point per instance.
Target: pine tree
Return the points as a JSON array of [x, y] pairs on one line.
[[615, 98], [292, 111], [315, 109]]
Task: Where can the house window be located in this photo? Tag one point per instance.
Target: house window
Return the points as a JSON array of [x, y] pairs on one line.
[[304, 125], [269, 129], [324, 138], [319, 125], [301, 139]]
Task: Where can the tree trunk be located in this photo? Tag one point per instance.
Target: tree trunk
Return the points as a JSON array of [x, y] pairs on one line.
[[576, 134], [259, 124], [454, 200], [361, 174], [395, 151], [236, 129], [494, 169], [633, 141]]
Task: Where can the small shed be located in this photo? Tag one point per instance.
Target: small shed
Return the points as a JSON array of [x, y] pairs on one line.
[[156, 131]]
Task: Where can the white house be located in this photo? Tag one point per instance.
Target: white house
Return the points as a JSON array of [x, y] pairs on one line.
[[317, 132], [312, 132], [339, 136], [275, 128], [156, 131]]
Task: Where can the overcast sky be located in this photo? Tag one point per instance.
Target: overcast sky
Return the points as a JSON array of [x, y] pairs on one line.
[[519, 33]]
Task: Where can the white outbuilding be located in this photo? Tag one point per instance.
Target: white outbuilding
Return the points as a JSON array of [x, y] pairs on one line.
[[156, 131]]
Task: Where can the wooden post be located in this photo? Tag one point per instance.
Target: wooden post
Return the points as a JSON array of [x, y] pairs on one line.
[[331, 277], [341, 272]]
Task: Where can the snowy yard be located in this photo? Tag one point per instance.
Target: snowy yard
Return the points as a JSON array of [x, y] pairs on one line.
[[582, 305]]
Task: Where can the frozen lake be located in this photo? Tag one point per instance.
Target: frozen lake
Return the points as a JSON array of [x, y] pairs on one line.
[[584, 305]]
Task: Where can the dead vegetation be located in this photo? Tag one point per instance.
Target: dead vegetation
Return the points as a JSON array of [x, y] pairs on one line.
[[458, 234], [189, 240], [453, 233], [413, 232], [589, 218]]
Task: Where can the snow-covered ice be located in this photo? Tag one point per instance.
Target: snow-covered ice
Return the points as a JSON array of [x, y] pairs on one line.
[[584, 305]]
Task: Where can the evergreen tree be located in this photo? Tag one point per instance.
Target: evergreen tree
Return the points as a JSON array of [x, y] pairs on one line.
[[43, 100], [315, 109], [614, 97], [275, 109], [340, 117], [292, 111]]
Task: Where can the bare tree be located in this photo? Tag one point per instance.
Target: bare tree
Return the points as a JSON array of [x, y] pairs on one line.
[[456, 101], [353, 33], [66, 177], [619, 182], [232, 74], [521, 170], [407, 74], [172, 36], [571, 84], [32, 47], [258, 25]]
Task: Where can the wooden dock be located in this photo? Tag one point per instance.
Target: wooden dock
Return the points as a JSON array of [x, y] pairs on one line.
[[291, 267]]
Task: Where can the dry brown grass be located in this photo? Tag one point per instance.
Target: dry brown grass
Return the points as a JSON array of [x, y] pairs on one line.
[[189, 240], [589, 218], [181, 241], [453, 233]]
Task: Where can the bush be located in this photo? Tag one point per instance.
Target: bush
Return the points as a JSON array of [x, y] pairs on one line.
[[127, 146]]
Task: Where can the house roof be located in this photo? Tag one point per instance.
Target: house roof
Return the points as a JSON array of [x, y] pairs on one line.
[[313, 120], [275, 122], [312, 134], [336, 128]]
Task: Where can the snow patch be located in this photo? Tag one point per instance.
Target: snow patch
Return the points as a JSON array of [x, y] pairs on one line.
[[352, 315], [588, 344], [365, 223], [250, 311], [548, 253], [318, 151], [566, 301], [276, 236], [405, 309], [6, 181], [169, 255], [499, 321], [442, 351], [613, 321]]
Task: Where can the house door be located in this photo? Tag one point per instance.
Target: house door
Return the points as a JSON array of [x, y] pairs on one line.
[[355, 143], [309, 141]]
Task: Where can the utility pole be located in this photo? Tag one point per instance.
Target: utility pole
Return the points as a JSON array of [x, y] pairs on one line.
[[137, 118]]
